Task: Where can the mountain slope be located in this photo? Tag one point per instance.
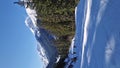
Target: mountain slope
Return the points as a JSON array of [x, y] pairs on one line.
[[45, 46], [62, 29]]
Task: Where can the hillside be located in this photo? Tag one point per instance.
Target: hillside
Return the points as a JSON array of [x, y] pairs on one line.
[[97, 34], [57, 16]]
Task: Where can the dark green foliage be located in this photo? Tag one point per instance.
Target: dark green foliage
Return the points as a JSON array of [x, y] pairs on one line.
[[55, 10], [58, 17]]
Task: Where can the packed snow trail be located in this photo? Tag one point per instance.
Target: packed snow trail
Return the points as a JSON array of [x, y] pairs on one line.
[[47, 50], [97, 39]]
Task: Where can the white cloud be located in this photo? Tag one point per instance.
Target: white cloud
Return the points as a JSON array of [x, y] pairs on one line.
[[87, 21], [109, 49]]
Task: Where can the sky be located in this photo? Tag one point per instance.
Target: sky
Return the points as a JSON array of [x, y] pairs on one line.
[[17, 43]]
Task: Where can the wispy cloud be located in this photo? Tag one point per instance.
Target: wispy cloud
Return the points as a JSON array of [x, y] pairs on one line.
[[109, 49], [102, 7], [87, 21]]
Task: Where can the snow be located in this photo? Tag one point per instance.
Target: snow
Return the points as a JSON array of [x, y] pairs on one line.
[[97, 38], [96, 41], [47, 51]]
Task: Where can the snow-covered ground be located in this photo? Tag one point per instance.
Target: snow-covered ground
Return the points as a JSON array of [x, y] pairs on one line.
[[48, 53], [97, 39]]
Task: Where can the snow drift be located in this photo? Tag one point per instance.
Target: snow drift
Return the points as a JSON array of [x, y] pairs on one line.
[[97, 39]]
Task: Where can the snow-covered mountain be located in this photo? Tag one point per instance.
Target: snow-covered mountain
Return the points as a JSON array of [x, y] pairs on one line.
[[48, 53], [97, 39], [96, 43]]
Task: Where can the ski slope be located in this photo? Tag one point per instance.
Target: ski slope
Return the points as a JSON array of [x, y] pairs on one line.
[[97, 39]]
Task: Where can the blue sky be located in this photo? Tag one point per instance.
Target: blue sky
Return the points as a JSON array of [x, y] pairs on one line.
[[17, 43]]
